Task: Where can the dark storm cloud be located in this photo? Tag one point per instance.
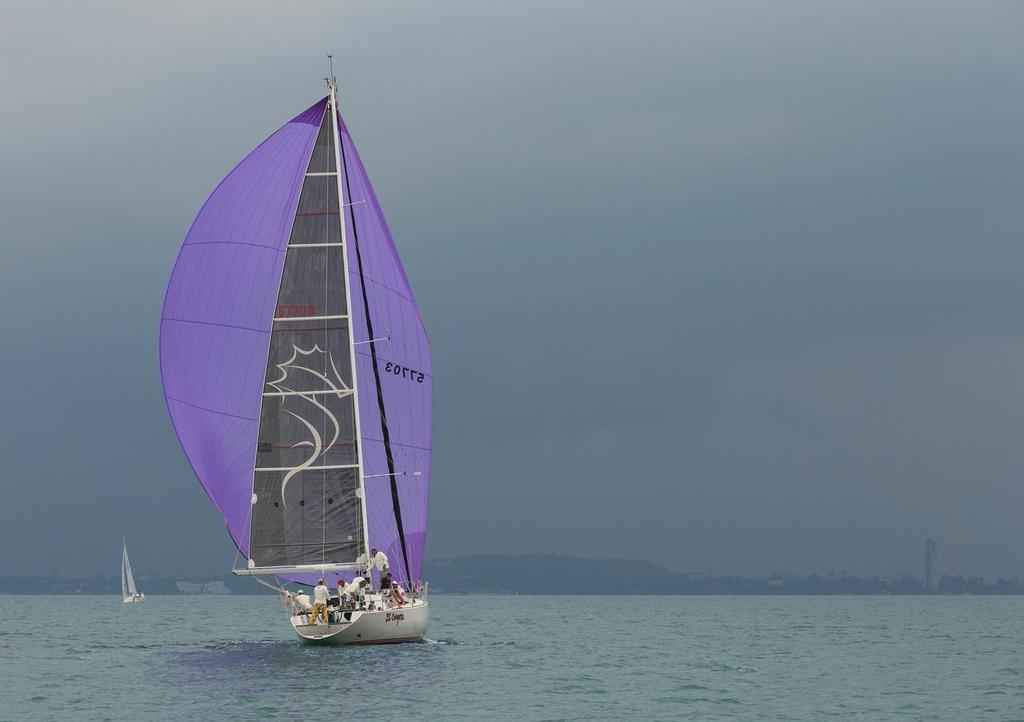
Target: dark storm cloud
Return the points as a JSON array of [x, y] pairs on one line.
[[732, 285]]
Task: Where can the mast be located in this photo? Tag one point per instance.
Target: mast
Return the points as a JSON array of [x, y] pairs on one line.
[[332, 108]]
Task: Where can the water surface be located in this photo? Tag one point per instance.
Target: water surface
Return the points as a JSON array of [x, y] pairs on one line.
[[521, 657]]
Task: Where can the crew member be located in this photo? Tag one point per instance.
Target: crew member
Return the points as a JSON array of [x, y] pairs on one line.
[[379, 561], [342, 596], [356, 590], [397, 595], [363, 564], [320, 595], [302, 603]]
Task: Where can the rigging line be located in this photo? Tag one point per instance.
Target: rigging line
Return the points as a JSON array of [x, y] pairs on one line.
[[268, 585], [395, 502]]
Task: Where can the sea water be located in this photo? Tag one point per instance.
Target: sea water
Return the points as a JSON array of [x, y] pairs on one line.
[[521, 658]]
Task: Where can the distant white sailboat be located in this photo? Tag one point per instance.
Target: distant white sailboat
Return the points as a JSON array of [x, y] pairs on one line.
[[129, 591]]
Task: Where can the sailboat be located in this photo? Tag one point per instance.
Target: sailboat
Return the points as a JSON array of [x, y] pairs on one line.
[[129, 592], [297, 374]]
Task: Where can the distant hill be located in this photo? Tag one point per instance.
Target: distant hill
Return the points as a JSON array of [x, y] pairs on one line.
[[559, 574], [548, 574]]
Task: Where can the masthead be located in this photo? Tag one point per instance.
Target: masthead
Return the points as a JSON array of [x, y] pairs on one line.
[[332, 81]]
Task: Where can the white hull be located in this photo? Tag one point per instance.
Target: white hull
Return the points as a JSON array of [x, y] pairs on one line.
[[402, 624], [129, 600]]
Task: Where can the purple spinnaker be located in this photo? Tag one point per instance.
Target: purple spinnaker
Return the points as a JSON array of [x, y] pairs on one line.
[[218, 311], [215, 334]]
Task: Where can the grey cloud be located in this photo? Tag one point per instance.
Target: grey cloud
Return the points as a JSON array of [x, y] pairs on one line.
[[735, 283]]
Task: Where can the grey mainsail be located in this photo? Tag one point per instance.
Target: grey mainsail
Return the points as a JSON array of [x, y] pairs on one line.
[[306, 507], [128, 588]]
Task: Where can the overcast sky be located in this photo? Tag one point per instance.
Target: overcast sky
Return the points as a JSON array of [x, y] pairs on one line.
[[727, 285]]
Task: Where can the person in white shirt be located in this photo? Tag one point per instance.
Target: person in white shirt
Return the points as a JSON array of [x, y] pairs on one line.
[[356, 589], [320, 595], [379, 561], [302, 603]]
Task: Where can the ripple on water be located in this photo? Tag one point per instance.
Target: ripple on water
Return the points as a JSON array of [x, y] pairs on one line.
[[794, 659]]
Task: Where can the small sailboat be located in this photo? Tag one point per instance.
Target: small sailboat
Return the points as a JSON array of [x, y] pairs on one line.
[[297, 373], [129, 592]]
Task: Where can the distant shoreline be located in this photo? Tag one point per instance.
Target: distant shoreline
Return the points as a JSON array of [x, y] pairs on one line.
[[551, 575]]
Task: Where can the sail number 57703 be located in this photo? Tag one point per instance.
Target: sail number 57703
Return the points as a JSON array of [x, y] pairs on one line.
[[404, 371]]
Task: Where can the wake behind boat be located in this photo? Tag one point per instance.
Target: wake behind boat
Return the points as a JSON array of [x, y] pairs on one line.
[[297, 374], [129, 592]]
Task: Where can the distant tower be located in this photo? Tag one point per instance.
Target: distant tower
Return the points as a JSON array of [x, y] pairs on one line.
[[931, 555]]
